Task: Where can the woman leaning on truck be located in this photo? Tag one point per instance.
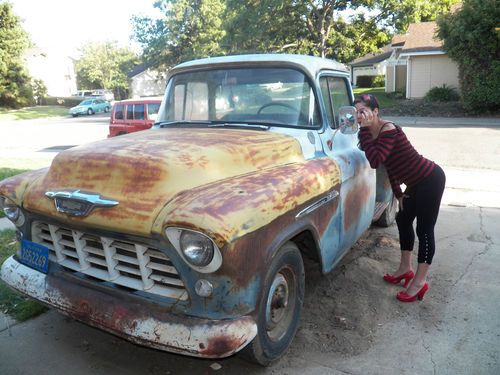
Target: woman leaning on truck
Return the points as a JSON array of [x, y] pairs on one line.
[[385, 143]]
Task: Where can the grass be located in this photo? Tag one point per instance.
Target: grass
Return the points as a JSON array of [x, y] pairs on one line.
[[30, 113], [384, 100], [8, 172], [12, 303]]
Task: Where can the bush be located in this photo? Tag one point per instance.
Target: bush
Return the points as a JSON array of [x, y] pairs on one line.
[[379, 81], [68, 101], [364, 81], [470, 38], [442, 94]]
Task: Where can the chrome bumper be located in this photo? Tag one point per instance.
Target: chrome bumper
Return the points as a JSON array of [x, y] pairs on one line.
[[146, 324]]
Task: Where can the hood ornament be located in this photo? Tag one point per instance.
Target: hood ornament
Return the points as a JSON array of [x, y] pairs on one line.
[[77, 202]]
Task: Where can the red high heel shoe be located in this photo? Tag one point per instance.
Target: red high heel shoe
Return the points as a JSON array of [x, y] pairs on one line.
[[397, 279], [405, 297]]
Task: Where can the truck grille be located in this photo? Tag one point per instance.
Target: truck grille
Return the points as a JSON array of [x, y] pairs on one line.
[[132, 265]]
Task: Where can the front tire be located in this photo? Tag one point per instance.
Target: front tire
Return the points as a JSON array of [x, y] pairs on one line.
[[279, 308], [90, 111]]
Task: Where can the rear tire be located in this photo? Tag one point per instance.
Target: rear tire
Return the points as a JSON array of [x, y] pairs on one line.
[[389, 214], [279, 308]]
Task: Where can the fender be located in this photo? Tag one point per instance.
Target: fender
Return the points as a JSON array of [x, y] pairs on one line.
[[232, 208], [14, 187]]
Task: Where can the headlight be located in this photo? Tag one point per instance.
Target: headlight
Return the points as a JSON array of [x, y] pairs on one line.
[[198, 250], [12, 211]]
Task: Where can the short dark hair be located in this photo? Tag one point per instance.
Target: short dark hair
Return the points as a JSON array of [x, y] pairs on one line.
[[367, 99]]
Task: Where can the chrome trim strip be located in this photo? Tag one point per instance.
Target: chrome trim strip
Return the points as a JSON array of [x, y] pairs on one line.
[[330, 196]]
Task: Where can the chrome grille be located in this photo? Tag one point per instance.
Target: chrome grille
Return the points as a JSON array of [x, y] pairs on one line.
[[133, 265]]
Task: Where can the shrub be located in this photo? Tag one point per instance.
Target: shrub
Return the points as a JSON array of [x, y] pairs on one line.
[[364, 81], [442, 94], [60, 100], [378, 81], [470, 37]]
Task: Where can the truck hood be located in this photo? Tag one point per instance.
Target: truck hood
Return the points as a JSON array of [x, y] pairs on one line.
[[143, 171]]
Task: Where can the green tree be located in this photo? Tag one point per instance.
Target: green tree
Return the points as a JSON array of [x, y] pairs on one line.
[[471, 38], [190, 29], [315, 27], [15, 89], [104, 65]]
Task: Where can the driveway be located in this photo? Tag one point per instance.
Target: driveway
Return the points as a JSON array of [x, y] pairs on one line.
[[351, 323]]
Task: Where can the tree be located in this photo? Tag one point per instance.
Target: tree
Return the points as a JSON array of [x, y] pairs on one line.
[[314, 27], [190, 29], [104, 65], [15, 90], [471, 38]]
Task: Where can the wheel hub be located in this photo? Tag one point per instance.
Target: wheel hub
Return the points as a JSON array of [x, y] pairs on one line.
[[277, 302]]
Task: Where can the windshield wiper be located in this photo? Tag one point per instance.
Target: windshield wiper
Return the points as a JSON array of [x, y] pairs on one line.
[[181, 122], [213, 124], [222, 124]]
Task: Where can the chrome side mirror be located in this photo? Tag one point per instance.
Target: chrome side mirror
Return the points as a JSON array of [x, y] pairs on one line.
[[347, 120]]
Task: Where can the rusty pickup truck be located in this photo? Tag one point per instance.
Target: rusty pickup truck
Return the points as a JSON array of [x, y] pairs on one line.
[[190, 237]]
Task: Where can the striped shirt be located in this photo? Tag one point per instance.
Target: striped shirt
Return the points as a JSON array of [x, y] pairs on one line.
[[392, 149]]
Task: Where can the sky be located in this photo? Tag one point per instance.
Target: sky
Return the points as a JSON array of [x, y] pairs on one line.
[[65, 25]]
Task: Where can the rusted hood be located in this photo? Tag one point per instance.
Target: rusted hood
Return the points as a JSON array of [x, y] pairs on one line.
[[145, 170]]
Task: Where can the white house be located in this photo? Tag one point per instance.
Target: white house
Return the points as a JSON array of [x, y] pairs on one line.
[[146, 81], [418, 62], [372, 64], [56, 70]]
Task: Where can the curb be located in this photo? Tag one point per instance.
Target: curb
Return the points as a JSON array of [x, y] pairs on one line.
[[444, 121], [6, 224]]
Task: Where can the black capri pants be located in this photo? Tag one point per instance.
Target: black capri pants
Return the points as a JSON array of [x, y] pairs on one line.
[[421, 201]]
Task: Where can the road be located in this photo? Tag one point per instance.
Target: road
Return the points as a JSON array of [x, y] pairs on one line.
[[351, 322]]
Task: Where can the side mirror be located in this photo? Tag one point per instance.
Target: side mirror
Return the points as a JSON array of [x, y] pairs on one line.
[[347, 120]]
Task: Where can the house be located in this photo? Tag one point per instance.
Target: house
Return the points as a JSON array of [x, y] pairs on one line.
[[56, 70], [372, 64], [146, 81], [418, 63]]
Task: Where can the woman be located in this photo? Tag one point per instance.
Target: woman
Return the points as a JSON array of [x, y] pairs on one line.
[[386, 144]]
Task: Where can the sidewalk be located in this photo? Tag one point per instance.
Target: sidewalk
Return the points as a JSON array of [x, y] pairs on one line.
[[443, 121]]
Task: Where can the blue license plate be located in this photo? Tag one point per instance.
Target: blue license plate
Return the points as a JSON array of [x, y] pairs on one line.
[[35, 256]]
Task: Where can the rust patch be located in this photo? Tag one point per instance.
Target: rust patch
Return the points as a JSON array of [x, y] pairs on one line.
[[220, 345], [356, 199]]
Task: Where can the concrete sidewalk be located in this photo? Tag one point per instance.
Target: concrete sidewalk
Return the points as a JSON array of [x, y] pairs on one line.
[[444, 121]]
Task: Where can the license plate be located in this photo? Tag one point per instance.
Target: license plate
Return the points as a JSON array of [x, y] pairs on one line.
[[35, 256]]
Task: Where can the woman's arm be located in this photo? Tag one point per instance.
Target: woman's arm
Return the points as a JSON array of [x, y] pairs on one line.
[[376, 150]]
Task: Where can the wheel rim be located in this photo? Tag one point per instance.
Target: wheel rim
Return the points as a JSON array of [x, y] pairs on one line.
[[280, 304]]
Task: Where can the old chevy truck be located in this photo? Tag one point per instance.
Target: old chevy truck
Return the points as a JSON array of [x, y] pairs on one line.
[[190, 237]]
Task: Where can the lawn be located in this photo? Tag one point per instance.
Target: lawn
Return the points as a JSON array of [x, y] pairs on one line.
[[30, 113], [384, 100]]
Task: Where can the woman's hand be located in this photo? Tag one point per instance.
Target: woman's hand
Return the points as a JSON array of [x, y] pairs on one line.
[[365, 118], [400, 201]]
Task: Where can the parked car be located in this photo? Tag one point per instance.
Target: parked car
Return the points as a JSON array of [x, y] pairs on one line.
[[132, 115], [83, 93], [190, 237], [103, 94], [89, 107]]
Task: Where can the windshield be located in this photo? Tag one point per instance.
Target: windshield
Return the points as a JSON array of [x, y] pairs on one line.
[[270, 96], [86, 102]]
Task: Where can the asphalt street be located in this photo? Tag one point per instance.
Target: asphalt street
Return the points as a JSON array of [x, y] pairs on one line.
[[456, 330]]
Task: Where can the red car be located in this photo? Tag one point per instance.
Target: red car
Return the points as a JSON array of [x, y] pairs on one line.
[[133, 115]]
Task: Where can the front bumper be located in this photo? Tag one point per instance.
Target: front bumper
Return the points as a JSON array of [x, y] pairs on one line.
[[146, 324]]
